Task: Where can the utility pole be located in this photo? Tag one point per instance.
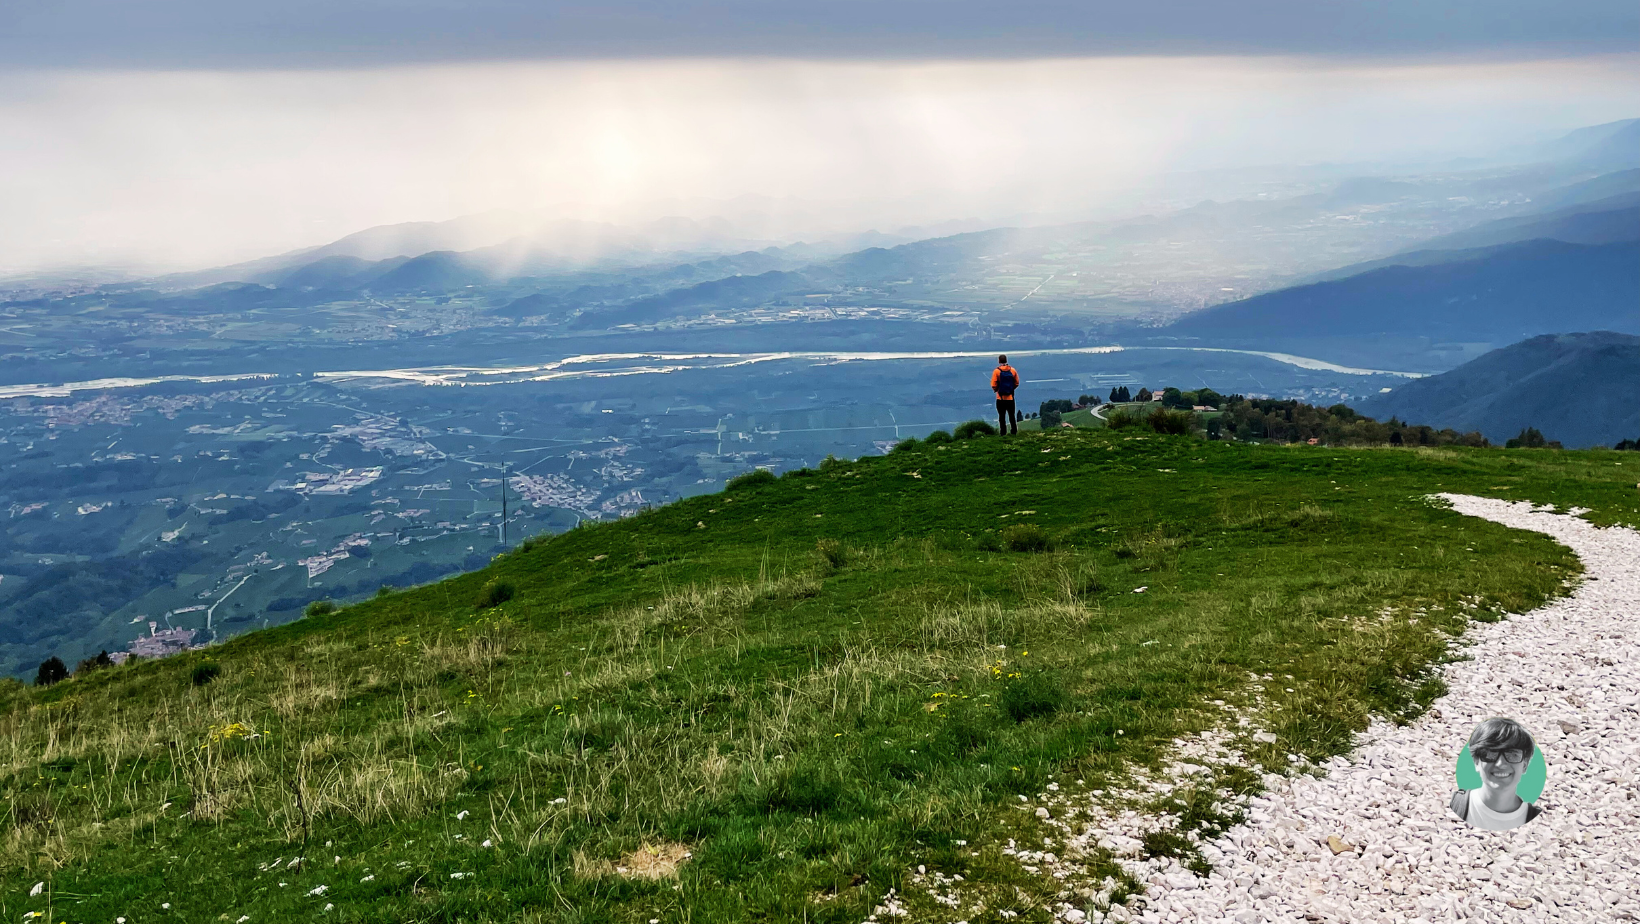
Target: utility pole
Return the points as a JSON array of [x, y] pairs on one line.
[[503, 505]]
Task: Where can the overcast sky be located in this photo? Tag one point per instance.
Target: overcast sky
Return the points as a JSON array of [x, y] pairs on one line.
[[189, 132], [348, 33]]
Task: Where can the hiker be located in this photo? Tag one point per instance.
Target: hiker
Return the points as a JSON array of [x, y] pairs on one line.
[[1502, 749], [1004, 380]]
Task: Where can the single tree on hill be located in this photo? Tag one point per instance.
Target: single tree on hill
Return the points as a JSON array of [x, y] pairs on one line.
[[1531, 438], [51, 671], [1143, 395]]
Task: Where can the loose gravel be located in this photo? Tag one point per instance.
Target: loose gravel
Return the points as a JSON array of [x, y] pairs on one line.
[[1369, 836], [1570, 672]]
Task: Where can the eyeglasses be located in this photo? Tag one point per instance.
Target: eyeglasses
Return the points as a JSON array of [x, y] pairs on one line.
[[1511, 755]]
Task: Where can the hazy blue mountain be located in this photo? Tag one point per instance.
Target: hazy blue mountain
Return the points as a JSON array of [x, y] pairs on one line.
[[1605, 146], [1508, 293], [334, 272], [1579, 388], [1603, 186], [508, 243], [730, 292], [439, 271], [1571, 225], [1601, 210], [1614, 218]]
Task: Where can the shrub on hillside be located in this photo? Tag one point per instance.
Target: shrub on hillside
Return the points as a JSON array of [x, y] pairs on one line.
[[938, 436], [1024, 537], [1121, 421], [204, 672], [905, 445], [973, 428], [1177, 423], [831, 463], [1289, 421], [1031, 695], [52, 670], [751, 479], [319, 608], [89, 665], [1532, 438], [534, 542], [1050, 411], [799, 473], [832, 552], [1626, 445], [494, 593], [386, 590]]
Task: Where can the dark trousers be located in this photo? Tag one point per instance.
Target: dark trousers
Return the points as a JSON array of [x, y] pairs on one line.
[[1007, 420]]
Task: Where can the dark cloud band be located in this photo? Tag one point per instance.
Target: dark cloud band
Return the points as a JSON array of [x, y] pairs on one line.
[[351, 33]]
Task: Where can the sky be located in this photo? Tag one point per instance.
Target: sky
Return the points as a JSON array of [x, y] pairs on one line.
[[163, 135]]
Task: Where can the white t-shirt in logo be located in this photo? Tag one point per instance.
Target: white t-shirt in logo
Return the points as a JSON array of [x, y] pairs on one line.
[[1487, 820]]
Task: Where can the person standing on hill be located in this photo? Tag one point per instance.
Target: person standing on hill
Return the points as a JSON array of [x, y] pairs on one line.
[[1004, 382]]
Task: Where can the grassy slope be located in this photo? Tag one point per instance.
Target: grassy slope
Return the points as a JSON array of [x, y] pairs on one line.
[[810, 729]]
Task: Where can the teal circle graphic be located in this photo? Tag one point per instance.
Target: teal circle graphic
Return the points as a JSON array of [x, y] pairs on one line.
[[1531, 782]]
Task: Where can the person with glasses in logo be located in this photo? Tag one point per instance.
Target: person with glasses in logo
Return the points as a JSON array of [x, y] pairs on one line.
[[1501, 749]]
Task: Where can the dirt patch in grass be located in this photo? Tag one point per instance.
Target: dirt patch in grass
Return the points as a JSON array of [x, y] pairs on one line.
[[653, 861]]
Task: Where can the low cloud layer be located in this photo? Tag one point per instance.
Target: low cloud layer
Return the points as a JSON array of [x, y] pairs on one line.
[[186, 168]]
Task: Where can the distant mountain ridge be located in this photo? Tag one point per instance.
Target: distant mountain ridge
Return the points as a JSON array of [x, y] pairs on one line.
[[1603, 210], [1582, 389], [1603, 221], [1605, 146], [1504, 294]]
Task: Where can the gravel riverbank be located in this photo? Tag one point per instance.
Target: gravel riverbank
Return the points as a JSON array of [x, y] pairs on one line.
[[1570, 672]]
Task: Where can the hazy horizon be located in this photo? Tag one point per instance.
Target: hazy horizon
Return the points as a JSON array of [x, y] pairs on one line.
[[177, 158]]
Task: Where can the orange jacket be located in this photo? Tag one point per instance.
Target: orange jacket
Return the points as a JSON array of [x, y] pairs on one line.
[[997, 374]]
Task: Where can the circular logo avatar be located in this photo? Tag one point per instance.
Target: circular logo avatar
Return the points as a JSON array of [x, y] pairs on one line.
[[1501, 773]]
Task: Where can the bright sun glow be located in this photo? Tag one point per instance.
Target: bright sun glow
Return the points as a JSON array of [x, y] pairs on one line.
[[189, 168]]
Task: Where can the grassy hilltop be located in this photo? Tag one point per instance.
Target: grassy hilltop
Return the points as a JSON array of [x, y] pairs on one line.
[[809, 684]]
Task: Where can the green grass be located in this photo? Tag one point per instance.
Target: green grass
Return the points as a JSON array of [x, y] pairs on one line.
[[813, 684], [1079, 418]]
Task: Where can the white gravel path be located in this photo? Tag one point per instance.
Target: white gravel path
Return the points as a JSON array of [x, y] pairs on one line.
[[1570, 672]]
